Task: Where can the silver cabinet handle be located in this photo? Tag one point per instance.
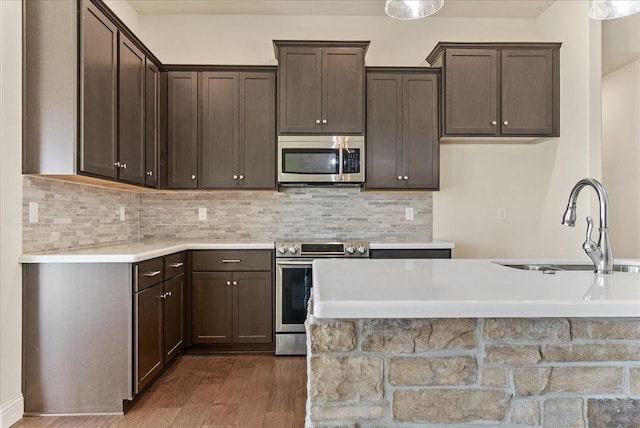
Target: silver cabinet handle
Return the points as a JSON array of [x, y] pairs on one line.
[[324, 120], [399, 177], [149, 173], [168, 294], [241, 177], [117, 164], [124, 165], [176, 265], [163, 296], [506, 122], [231, 260], [317, 121], [228, 282], [406, 177], [152, 273], [494, 122], [235, 282], [235, 177], [193, 176]]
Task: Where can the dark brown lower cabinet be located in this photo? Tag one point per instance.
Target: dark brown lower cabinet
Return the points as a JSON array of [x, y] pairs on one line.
[[232, 307], [148, 335]]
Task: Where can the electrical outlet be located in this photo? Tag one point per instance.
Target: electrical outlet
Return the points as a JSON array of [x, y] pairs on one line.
[[33, 212], [408, 213], [202, 213], [502, 213], [122, 214]]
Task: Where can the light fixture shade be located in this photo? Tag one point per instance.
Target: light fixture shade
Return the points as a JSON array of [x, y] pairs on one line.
[[412, 9], [610, 9]]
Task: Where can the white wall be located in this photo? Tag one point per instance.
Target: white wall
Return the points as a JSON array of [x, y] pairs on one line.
[[621, 156], [531, 181], [11, 403], [126, 12]]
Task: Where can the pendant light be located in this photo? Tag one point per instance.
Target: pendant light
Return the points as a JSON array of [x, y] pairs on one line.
[[611, 9], [412, 9]]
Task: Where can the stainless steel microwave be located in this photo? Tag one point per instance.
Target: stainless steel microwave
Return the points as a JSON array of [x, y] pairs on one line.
[[321, 159]]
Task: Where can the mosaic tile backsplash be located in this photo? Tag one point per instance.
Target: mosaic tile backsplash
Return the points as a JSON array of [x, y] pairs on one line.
[[73, 215]]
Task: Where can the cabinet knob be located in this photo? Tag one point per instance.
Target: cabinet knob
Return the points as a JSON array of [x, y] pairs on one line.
[[493, 122], [235, 177], [228, 282], [317, 121], [168, 294], [124, 165], [241, 177], [235, 282], [399, 177], [193, 176], [506, 122], [149, 173], [324, 120], [406, 177], [117, 164]]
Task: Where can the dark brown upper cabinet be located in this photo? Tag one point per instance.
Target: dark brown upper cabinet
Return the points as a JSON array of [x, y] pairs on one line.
[[151, 118], [402, 128], [98, 93], [499, 89], [131, 113], [182, 130], [237, 144], [320, 87]]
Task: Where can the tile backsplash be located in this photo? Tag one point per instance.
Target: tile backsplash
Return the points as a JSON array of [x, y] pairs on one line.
[[74, 215]]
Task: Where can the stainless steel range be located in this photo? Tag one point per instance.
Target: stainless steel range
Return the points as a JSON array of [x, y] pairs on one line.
[[293, 286]]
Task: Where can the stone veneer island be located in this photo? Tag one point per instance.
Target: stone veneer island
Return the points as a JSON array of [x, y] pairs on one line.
[[496, 352]]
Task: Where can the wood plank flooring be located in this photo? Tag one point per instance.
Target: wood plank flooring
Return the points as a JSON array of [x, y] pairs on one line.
[[212, 391]]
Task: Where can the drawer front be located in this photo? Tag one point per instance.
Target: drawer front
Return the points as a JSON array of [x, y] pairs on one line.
[[173, 265], [148, 273], [232, 260]]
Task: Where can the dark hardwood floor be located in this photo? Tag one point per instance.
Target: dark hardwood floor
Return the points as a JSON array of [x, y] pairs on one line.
[[213, 391]]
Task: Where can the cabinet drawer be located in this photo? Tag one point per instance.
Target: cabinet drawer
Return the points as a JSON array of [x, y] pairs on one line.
[[232, 260], [147, 274], [173, 265]]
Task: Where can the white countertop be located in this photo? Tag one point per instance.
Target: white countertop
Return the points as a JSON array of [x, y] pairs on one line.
[[133, 252], [467, 288], [411, 245]]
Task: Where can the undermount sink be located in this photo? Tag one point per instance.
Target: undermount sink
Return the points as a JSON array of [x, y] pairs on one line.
[[553, 268]]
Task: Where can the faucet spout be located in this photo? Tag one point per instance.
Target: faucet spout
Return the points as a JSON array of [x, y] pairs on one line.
[[599, 253]]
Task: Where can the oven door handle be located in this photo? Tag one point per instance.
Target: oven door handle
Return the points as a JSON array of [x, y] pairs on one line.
[[293, 263]]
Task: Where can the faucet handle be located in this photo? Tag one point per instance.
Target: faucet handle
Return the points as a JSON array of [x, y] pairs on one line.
[[589, 228], [589, 245]]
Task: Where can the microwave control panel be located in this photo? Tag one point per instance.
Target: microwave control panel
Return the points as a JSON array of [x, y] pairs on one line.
[[351, 161]]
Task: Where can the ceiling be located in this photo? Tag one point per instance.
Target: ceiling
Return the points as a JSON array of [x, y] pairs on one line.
[[620, 42], [452, 8]]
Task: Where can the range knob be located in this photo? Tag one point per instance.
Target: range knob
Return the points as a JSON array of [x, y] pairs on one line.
[[351, 249], [282, 249], [293, 249], [362, 249]]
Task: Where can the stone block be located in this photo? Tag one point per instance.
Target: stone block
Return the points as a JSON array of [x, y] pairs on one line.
[[339, 336], [613, 413], [563, 413], [516, 355], [345, 379], [527, 329], [449, 406], [494, 377], [591, 352], [606, 329], [634, 381], [430, 371], [585, 380], [347, 412], [530, 381], [524, 412], [417, 335]]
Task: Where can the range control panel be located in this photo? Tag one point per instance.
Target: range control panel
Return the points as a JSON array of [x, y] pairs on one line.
[[322, 249]]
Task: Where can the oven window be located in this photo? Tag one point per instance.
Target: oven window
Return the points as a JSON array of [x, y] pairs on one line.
[[296, 289], [310, 161]]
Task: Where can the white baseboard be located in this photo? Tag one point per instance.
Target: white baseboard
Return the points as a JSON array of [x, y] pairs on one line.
[[11, 412]]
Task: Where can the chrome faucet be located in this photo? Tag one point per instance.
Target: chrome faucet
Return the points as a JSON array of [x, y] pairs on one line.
[[599, 253]]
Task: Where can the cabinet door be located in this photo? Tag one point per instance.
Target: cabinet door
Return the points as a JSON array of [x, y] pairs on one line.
[[384, 130], [257, 133], [421, 150], [527, 92], [342, 91], [471, 92], [99, 60], [252, 307], [219, 142], [212, 307], [151, 124], [299, 89], [131, 106], [173, 317], [182, 130], [148, 335]]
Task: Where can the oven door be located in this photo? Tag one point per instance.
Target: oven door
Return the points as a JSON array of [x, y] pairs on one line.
[[293, 290]]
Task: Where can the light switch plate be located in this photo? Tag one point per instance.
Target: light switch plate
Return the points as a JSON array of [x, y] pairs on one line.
[[408, 213], [502, 213], [202, 213], [33, 212]]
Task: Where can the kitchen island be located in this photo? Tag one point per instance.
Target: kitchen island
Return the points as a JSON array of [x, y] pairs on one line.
[[403, 343]]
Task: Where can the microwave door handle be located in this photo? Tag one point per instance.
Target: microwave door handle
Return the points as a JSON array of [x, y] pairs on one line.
[[340, 161]]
